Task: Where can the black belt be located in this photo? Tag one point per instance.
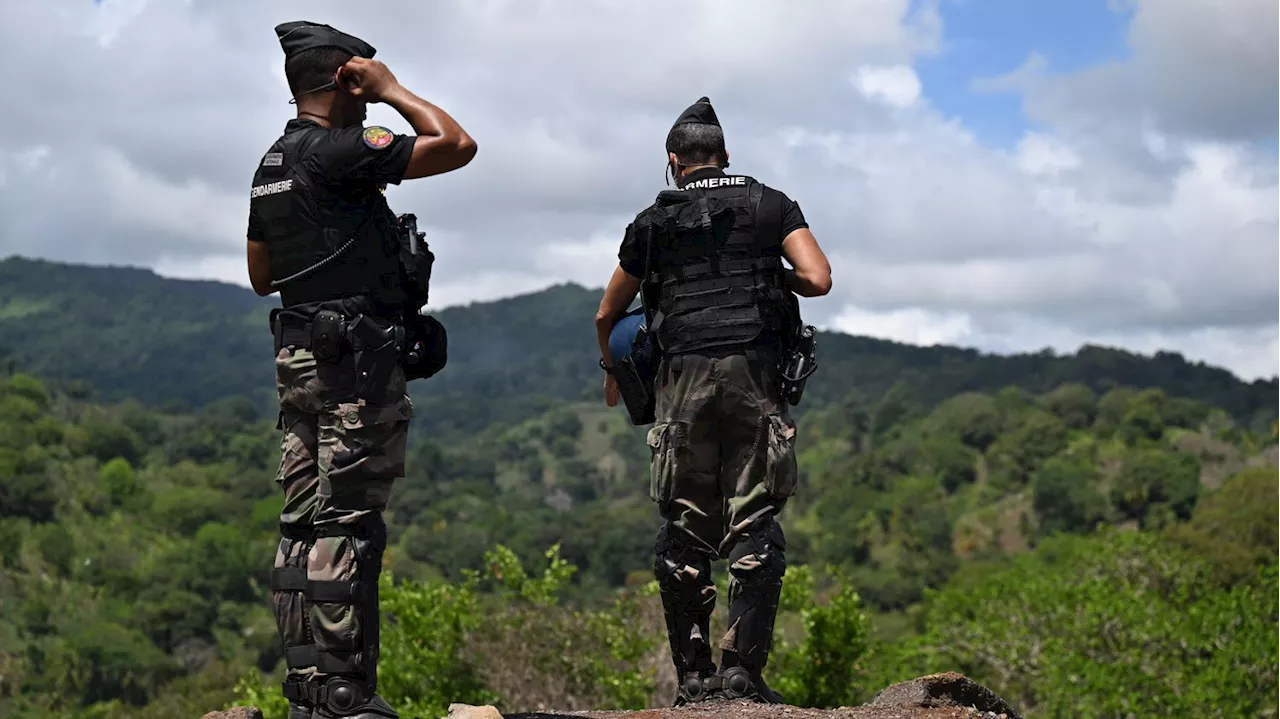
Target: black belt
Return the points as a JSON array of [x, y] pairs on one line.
[[297, 337], [292, 329]]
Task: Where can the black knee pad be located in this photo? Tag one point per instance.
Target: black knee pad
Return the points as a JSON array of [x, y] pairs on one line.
[[766, 541], [682, 571], [757, 562]]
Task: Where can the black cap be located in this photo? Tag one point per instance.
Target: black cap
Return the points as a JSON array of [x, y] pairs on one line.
[[301, 35], [699, 112]]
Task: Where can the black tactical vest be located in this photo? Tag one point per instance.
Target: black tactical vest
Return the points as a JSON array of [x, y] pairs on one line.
[[714, 283], [324, 242]]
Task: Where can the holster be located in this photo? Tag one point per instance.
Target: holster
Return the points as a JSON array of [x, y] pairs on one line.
[[800, 360], [376, 351], [426, 348]]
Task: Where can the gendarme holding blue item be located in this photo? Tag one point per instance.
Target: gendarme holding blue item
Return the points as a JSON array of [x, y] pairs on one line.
[[713, 360]]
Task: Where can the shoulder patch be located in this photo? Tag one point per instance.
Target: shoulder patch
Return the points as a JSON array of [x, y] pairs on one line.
[[377, 137], [273, 159]]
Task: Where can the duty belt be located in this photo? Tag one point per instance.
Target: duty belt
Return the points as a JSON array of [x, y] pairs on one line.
[[324, 332], [296, 334]]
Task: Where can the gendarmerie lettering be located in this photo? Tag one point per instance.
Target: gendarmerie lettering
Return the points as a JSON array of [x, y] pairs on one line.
[[271, 188], [709, 182]]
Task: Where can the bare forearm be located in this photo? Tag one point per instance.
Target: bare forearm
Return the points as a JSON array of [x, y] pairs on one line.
[[617, 297], [804, 286], [603, 328], [606, 317], [426, 119]]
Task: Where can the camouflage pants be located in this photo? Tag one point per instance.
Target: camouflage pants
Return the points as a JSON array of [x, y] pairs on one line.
[[339, 457], [723, 466], [723, 447]]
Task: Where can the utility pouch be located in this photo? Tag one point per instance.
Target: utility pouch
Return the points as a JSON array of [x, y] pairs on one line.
[[327, 334], [377, 352], [427, 347]]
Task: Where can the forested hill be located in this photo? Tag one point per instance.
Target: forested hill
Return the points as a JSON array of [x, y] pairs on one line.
[[128, 333], [956, 511]]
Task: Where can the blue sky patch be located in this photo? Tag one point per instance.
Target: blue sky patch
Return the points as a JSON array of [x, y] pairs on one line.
[[988, 38]]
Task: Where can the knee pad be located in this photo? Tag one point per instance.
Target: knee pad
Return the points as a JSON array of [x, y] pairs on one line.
[[288, 586], [684, 573], [760, 556], [756, 563], [350, 650], [688, 599]]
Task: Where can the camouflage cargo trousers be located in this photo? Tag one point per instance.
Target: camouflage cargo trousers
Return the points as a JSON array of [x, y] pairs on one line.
[[723, 467], [723, 448], [339, 457]]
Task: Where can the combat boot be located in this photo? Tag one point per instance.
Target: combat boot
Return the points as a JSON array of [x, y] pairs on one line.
[[742, 683]]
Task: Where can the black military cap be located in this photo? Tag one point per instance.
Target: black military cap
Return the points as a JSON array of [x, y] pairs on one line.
[[302, 35], [699, 112]]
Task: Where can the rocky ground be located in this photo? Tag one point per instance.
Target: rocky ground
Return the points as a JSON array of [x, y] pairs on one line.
[[937, 696]]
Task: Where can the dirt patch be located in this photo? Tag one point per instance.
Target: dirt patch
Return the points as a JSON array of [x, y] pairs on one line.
[[937, 696], [744, 710]]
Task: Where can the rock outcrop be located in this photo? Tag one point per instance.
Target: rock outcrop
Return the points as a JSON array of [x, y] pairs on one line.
[[937, 696]]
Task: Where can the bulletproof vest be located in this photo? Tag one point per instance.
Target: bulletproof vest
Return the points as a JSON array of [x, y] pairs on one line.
[[325, 242], [716, 283]]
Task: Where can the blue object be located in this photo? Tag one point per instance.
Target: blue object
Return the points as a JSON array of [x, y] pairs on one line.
[[623, 335], [635, 358]]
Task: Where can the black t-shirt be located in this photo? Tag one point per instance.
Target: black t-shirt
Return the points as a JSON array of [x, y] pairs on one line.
[[348, 159], [777, 217]]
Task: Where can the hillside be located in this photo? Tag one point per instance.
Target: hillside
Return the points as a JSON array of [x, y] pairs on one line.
[[957, 512], [128, 333]]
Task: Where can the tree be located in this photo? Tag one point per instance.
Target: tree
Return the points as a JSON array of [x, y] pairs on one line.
[[1065, 495], [1154, 484]]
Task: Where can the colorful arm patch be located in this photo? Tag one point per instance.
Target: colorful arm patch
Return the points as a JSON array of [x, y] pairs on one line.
[[377, 137]]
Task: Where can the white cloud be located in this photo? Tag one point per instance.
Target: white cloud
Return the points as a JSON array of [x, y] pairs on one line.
[[911, 326], [1138, 213], [1042, 154], [896, 85]]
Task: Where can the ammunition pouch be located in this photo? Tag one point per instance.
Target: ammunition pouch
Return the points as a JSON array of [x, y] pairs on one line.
[[322, 333], [426, 349], [416, 259]]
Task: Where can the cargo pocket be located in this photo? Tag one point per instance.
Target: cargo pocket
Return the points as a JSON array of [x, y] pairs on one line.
[[661, 464], [781, 475], [363, 444]]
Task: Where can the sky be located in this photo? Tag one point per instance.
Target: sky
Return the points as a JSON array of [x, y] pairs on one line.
[[999, 174]]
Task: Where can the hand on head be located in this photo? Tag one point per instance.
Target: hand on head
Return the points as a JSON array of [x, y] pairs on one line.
[[368, 80]]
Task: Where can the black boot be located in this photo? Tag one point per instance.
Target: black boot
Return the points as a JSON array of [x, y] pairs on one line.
[[741, 683]]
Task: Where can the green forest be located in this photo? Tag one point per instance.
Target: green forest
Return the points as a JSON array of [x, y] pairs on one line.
[[1089, 535]]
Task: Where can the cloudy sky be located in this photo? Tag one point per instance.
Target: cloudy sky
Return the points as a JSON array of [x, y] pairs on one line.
[[1001, 174]]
